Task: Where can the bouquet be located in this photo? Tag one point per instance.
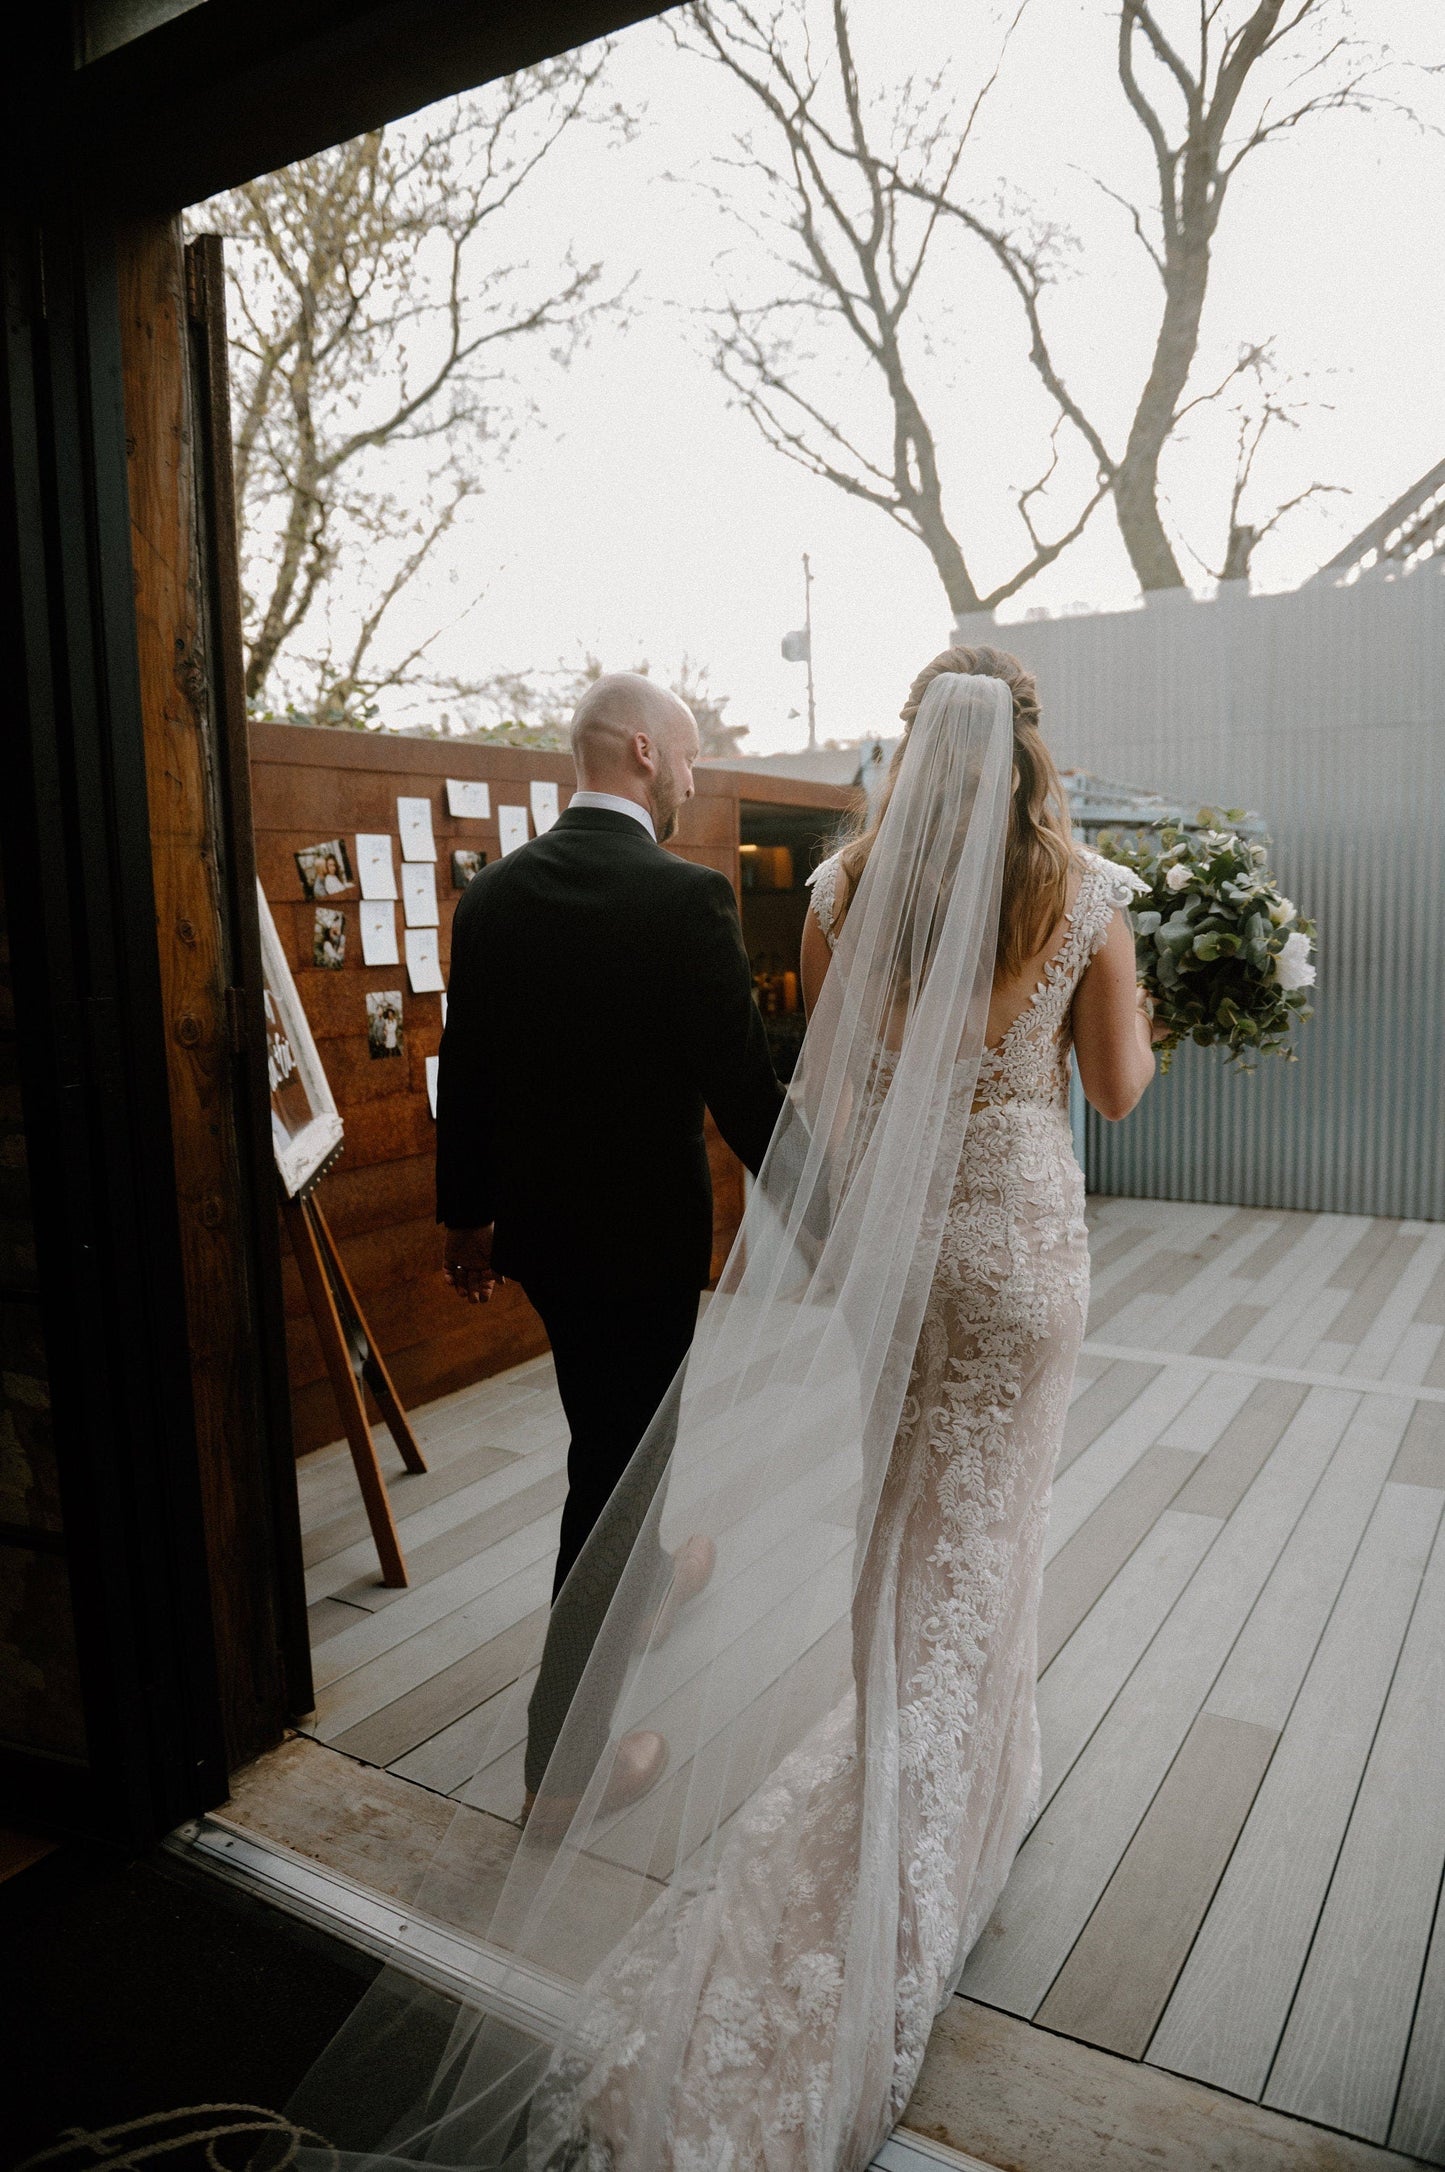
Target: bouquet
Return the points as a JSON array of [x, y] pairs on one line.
[[1223, 957]]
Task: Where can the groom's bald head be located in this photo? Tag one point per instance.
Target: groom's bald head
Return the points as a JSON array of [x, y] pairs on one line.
[[633, 739]]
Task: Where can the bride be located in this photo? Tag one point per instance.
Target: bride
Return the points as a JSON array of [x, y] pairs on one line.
[[739, 1974]]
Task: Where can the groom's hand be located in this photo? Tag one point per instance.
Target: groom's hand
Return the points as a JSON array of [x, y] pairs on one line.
[[467, 1264]]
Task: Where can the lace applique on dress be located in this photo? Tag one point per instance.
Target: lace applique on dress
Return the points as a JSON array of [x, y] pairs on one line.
[[823, 884], [1031, 1061]]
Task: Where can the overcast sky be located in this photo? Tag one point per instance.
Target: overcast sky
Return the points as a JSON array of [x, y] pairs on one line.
[[645, 519]]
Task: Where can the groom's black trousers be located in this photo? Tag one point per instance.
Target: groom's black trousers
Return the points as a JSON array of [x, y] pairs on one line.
[[615, 1354]]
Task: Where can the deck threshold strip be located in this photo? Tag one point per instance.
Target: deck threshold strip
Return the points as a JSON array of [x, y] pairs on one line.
[[527, 1996], [908, 2152], [1352, 1383], [457, 1966]]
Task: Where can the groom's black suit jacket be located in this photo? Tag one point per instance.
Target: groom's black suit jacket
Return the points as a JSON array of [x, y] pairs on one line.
[[599, 996]]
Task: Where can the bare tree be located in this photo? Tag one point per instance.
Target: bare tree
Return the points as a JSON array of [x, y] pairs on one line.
[[1206, 101], [857, 261], [375, 311], [534, 708], [692, 684], [1269, 409], [861, 194]]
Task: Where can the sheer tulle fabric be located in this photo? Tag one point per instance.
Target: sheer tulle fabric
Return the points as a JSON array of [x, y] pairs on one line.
[[719, 1963]]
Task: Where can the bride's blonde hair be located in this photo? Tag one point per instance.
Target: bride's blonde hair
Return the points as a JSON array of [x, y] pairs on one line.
[[1039, 850]]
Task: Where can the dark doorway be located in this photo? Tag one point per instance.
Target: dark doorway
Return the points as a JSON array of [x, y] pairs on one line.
[[779, 848]]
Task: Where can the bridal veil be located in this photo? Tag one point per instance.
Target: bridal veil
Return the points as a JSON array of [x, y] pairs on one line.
[[484, 2040]]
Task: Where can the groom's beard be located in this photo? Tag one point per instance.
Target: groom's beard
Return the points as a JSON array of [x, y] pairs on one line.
[[664, 821]]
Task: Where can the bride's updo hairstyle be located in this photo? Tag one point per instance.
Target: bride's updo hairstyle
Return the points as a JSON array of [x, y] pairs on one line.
[[1039, 850]]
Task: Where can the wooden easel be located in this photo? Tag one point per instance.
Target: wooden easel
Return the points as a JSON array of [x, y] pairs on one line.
[[352, 1359]]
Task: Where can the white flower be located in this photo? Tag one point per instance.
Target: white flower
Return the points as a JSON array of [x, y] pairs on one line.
[[1178, 877], [1292, 967], [1281, 912]]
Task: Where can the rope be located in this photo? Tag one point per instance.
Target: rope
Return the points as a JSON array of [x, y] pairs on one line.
[[107, 2155]]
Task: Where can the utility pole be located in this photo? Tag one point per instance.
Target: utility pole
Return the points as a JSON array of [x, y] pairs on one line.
[[798, 649], [808, 627]]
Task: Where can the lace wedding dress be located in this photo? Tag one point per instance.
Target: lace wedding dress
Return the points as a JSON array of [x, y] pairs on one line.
[[753, 2078]]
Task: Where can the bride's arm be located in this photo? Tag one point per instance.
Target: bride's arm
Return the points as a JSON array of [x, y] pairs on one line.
[[814, 958], [1113, 1036]]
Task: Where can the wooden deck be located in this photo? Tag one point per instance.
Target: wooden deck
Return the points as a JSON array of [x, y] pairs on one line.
[[1236, 1872]]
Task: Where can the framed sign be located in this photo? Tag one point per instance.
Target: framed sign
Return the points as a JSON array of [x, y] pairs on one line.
[[306, 1129]]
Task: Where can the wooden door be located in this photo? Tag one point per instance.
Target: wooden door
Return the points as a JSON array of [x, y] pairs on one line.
[[188, 625]]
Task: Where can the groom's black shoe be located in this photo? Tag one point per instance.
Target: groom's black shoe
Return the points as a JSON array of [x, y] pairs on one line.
[[637, 1766]]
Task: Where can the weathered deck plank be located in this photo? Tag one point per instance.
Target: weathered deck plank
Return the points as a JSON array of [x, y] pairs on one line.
[[1078, 1688], [1419, 2122], [1076, 1845], [1114, 1985], [524, 1582], [1087, 1564], [1105, 1399], [413, 1718], [1227, 2015], [1263, 1673], [1344, 2047], [1092, 1477]]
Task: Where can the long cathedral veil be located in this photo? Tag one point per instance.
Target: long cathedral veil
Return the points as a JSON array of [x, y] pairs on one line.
[[480, 2043]]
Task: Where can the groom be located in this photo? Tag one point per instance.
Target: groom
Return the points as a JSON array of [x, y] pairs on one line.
[[599, 998]]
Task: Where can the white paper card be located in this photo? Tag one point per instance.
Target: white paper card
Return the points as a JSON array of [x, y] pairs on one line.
[[423, 961], [433, 1065], [512, 827], [378, 932], [419, 894], [469, 800], [544, 806], [413, 819], [373, 864]]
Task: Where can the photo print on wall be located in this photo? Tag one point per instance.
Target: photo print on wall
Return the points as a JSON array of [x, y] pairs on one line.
[[464, 866], [328, 941], [383, 1022], [325, 869]]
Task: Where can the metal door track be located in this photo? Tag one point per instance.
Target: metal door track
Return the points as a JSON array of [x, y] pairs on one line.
[[456, 1966]]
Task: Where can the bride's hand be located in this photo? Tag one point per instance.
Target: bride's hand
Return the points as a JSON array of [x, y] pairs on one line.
[[1158, 1031]]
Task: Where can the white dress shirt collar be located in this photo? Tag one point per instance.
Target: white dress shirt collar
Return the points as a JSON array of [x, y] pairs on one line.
[[609, 803]]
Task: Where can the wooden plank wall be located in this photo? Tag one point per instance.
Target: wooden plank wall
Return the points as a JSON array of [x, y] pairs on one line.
[[309, 786]]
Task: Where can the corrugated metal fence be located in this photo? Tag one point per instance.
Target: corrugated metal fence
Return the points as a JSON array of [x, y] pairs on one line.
[[1325, 710]]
